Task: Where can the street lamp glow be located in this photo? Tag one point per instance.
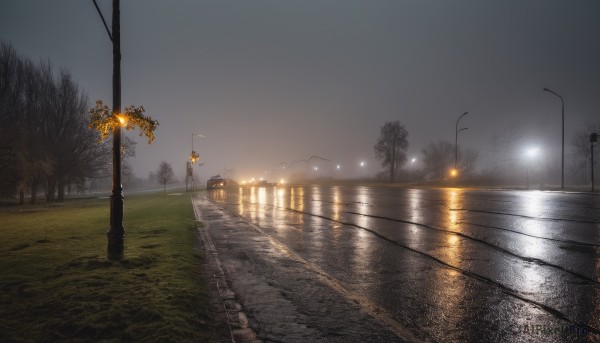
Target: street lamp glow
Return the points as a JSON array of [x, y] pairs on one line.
[[122, 119], [453, 172], [532, 152], [413, 160], [338, 166], [362, 164]]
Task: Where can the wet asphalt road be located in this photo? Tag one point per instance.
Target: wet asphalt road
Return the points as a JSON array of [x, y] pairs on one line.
[[447, 265]]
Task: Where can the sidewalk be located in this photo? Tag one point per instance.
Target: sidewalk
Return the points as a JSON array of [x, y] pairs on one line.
[[267, 293]]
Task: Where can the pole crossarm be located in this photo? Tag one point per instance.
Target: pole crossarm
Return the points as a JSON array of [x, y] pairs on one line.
[[103, 20], [562, 174], [553, 92], [317, 157]]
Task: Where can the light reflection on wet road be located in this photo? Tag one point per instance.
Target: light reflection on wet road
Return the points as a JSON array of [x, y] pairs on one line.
[[459, 265]]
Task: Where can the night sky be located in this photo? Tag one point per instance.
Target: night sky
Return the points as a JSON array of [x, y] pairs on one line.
[[275, 81]]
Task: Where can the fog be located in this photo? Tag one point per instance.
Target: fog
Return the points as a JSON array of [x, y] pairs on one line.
[[272, 82]]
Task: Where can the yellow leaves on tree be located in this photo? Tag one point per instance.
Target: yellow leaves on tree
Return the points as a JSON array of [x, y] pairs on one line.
[[194, 157], [104, 121]]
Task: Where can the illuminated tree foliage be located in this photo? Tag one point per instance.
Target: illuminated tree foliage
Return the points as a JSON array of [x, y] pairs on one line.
[[194, 157], [103, 121]]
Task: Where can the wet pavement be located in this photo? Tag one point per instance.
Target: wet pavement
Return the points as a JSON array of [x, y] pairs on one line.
[[353, 264]]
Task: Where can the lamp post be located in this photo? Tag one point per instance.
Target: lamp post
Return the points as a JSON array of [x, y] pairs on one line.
[[116, 232], [456, 143], [562, 175], [593, 139], [194, 157], [412, 162]]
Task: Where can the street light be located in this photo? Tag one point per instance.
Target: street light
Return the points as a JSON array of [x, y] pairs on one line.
[[593, 139], [531, 153], [116, 232], [562, 175], [454, 172], [194, 157]]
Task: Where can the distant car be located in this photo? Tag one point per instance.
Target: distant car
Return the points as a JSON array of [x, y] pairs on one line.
[[217, 182]]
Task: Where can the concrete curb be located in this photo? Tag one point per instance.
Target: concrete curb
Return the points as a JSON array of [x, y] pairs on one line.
[[232, 323]]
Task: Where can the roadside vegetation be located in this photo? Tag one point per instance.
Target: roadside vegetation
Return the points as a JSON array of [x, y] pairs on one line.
[[56, 283]]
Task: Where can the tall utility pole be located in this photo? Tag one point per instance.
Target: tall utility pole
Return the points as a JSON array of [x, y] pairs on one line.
[[593, 138], [193, 157], [456, 140], [116, 232], [562, 175]]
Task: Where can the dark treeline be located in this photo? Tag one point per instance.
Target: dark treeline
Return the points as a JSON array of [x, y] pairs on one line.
[[45, 141]]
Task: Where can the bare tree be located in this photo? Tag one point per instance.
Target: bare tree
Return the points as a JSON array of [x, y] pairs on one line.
[[164, 174], [11, 89], [467, 160], [391, 146], [44, 124], [438, 157], [580, 144]]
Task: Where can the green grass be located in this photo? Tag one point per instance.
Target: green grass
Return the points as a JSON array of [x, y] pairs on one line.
[[56, 283]]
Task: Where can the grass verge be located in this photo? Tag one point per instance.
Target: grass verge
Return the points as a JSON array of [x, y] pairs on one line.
[[57, 285]]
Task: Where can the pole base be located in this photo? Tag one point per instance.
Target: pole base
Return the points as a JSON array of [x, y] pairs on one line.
[[116, 245]]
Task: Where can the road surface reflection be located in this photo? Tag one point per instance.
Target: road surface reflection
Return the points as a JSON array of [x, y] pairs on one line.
[[457, 264]]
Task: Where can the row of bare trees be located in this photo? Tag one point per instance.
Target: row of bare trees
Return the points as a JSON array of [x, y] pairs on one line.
[[506, 160], [438, 157], [45, 141]]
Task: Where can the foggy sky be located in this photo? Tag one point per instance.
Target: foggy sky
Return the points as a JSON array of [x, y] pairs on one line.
[[275, 81]]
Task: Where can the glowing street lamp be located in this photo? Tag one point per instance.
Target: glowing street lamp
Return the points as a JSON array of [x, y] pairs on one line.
[[194, 157], [532, 152], [116, 231], [122, 119]]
